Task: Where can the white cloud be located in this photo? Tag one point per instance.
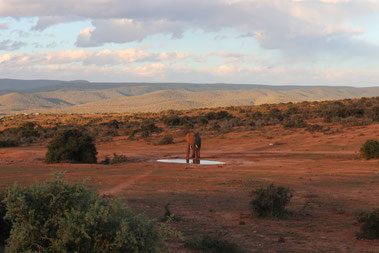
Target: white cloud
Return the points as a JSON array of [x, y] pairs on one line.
[[46, 21], [5, 25], [125, 30], [10, 45], [307, 25], [135, 64], [305, 32]]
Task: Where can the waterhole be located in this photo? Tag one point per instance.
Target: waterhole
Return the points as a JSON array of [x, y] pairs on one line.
[[208, 162]]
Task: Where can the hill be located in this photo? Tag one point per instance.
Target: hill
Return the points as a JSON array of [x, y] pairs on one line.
[[86, 97]]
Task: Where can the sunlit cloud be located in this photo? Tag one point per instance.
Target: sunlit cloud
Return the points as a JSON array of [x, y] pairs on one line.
[[215, 40]]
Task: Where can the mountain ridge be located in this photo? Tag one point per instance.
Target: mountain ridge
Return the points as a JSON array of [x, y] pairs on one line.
[[78, 97]]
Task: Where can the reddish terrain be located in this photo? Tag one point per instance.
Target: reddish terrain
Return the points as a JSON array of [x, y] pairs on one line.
[[331, 184]]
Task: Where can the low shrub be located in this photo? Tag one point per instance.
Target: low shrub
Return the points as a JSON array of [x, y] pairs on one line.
[[72, 146], [270, 201], [218, 115], [118, 159], [275, 114], [168, 215], [332, 110], [5, 143], [5, 226], [214, 245], [294, 122], [370, 149], [370, 225], [106, 161], [168, 139], [55, 216], [314, 128], [172, 120], [27, 132]]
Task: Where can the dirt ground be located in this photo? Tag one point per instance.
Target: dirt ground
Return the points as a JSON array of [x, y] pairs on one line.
[[331, 185]]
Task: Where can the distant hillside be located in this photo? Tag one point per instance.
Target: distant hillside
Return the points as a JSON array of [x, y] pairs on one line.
[[69, 98], [170, 99], [133, 88]]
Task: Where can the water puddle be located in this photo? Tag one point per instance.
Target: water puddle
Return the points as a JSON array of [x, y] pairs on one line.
[[207, 162]]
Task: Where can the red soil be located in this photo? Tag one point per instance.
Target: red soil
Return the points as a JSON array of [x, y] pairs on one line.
[[331, 183]]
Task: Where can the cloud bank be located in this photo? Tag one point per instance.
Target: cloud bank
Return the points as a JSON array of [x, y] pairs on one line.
[[293, 35]]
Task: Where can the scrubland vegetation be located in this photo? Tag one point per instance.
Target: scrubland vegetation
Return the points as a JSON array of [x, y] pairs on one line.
[[56, 216], [19, 130]]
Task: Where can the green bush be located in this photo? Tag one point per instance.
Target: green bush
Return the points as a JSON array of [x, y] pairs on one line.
[[5, 226], [169, 216], [275, 114], [72, 146], [218, 115], [370, 225], [373, 113], [27, 132], [168, 139], [333, 110], [294, 122], [5, 143], [370, 149], [215, 245], [118, 159], [56, 216], [270, 202], [172, 120], [314, 128]]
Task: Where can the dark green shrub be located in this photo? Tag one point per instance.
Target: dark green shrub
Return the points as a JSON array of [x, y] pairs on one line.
[[275, 114], [257, 115], [370, 149], [172, 120], [218, 115], [370, 225], [314, 128], [168, 139], [72, 146], [223, 115], [292, 110], [27, 132], [168, 215], [106, 161], [270, 202], [56, 216], [215, 126], [118, 159], [5, 226], [213, 245], [114, 124], [355, 110], [373, 113], [147, 128], [4, 143], [211, 115], [294, 122], [202, 120], [333, 110]]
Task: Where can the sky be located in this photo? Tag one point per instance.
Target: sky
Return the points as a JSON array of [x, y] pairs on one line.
[[275, 42]]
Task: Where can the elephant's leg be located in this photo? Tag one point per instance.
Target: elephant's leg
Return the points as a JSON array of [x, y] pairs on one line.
[[196, 154], [188, 152], [193, 151]]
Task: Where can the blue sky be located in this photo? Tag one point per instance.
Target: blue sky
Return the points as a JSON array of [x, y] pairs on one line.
[[299, 42]]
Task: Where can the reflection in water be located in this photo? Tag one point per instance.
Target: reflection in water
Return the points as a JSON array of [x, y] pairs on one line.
[[190, 161]]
